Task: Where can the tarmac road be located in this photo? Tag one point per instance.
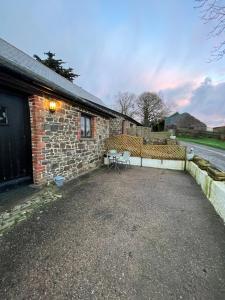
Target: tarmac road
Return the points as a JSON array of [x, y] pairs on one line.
[[215, 156]]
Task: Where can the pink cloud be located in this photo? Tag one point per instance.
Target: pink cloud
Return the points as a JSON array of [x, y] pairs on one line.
[[205, 100], [167, 79], [183, 102]]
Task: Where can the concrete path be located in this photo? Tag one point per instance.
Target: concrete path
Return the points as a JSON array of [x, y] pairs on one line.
[[142, 234], [215, 156]]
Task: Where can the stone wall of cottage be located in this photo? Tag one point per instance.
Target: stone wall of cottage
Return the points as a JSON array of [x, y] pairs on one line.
[[57, 148], [115, 126], [119, 126]]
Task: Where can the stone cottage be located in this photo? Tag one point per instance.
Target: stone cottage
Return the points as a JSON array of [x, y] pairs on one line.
[[48, 125]]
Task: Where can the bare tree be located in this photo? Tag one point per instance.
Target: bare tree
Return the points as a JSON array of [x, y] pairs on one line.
[[150, 108], [125, 103], [213, 11]]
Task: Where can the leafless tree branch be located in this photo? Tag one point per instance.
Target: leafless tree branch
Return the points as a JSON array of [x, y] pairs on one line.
[[213, 12], [126, 103]]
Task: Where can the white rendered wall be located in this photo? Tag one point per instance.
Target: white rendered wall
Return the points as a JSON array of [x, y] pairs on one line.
[[214, 190], [158, 163]]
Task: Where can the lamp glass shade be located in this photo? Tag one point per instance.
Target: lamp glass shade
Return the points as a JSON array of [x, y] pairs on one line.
[[52, 106]]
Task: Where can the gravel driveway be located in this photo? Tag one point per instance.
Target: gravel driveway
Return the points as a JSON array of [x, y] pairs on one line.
[[142, 234]]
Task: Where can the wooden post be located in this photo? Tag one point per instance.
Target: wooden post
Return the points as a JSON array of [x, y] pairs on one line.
[[185, 159]]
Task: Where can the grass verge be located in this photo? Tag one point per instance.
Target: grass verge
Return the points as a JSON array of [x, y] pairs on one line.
[[204, 141]]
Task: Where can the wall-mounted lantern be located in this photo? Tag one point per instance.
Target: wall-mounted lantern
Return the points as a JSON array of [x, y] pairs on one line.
[[52, 106]]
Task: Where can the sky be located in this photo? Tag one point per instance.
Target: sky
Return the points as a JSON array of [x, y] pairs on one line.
[[126, 46]]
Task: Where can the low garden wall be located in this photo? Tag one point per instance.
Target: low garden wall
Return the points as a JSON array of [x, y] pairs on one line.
[[214, 190], [158, 163], [155, 163], [148, 135]]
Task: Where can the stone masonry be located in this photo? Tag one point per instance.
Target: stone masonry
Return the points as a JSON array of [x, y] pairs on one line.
[[57, 148], [119, 126]]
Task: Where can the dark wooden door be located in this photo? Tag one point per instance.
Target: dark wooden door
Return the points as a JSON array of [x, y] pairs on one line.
[[15, 138]]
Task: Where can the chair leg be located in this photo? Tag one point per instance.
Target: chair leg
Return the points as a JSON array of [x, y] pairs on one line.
[[110, 165], [117, 166]]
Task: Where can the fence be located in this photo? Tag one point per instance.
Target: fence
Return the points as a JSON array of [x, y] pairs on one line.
[[200, 133], [147, 134], [125, 142], [137, 148]]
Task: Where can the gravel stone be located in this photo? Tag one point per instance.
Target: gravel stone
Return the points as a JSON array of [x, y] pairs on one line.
[[141, 234]]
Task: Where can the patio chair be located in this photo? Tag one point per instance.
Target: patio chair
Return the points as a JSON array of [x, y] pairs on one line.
[[126, 155], [112, 151]]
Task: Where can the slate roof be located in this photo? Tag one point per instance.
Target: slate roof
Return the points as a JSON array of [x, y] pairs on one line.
[[183, 120], [18, 61], [116, 113]]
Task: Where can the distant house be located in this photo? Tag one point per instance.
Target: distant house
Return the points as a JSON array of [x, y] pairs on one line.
[[220, 129], [184, 121]]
